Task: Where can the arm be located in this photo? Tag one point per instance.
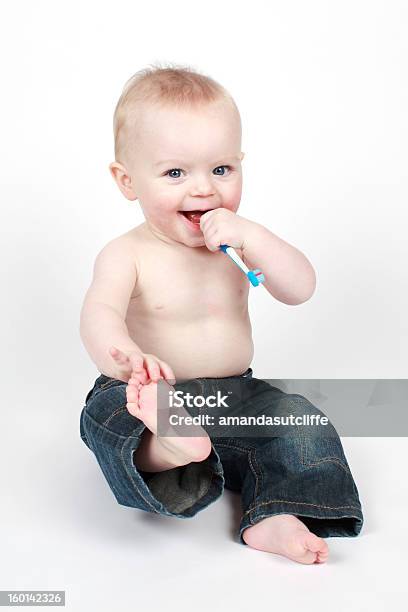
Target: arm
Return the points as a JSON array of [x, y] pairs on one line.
[[289, 275], [96, 317], [102, 319]]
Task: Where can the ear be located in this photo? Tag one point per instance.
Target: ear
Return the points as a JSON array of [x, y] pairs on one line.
[[123, 180]]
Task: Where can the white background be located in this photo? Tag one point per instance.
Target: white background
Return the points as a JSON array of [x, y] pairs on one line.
[[323, 94]]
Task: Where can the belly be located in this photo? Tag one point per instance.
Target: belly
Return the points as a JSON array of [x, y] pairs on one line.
[[206, 347]]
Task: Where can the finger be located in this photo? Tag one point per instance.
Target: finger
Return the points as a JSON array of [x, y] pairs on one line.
[[166, 370], [140, 376], [153, 367], [204, 219], [114, 352], [118, 355], [136, 360], [136, 376], [212, 241]]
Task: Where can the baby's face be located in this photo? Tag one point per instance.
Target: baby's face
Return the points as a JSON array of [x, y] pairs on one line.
[[186, 160]]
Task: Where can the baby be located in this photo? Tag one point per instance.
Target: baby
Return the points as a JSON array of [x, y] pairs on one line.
[[166, 304]]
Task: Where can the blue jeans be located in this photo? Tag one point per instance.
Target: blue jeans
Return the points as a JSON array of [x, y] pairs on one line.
[[300, 474]]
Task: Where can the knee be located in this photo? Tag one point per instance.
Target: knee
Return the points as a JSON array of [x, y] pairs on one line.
[[305, 418], [299, 405], [328, 450]]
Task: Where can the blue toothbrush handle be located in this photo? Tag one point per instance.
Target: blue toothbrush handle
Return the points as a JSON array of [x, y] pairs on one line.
[[255, 277]]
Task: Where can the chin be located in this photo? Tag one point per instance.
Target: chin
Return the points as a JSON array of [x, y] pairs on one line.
[[194, 242]]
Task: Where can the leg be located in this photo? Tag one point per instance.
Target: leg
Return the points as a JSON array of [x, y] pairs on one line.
[[300, 480], [114, 436], [156, 454], [292, 479]]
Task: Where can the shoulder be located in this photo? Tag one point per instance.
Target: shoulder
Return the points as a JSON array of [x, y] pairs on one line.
[[129, 239], [127, 246]]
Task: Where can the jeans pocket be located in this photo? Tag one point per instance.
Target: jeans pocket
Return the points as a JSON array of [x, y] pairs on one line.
[[108, 384], [317, 450]]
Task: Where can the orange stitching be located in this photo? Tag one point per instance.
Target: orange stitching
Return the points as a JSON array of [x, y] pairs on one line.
[[131, 477], [303, 445], [109, 382], [117, 411], [331, 459], [250, 453]]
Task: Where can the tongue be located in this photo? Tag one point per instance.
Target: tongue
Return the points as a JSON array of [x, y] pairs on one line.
[[194, 216]]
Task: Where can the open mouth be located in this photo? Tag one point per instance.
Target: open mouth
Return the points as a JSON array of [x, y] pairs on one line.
[[194, 216]]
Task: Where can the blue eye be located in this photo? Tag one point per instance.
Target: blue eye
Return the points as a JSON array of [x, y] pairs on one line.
[[176, 176], [217, 173], [168, 173]]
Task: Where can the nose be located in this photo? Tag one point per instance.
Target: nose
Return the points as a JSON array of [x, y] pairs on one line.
[[202, 186]]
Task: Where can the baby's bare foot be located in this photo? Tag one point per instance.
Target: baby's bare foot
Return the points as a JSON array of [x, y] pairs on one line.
[[142, 403], [284, 534]]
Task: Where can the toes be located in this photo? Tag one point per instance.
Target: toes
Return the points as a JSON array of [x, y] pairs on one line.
[[132, 397], [314, 543], [133, 408], [132, 393], [322, 556], [132, 387], [317, 547], [149, 390], [307, 559], [133, 384]]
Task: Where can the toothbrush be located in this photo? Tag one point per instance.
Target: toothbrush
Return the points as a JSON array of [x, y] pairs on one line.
[[255, 277]]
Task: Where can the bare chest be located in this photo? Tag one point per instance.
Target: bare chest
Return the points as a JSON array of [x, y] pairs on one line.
[[174, 287]]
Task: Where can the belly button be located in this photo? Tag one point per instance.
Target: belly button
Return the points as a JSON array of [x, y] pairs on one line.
[[159, 307]]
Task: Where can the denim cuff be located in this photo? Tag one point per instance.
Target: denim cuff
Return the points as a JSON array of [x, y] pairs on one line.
[[185, 490], [115, 436]]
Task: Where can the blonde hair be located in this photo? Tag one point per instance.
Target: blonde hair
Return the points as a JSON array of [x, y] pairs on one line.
[[175, 86]]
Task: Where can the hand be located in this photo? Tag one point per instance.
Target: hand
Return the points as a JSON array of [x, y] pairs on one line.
[[140, 366], [222, 226]]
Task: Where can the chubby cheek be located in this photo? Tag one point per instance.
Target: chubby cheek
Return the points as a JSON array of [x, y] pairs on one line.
[[164, 203], [232, 197], [168, 200]]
